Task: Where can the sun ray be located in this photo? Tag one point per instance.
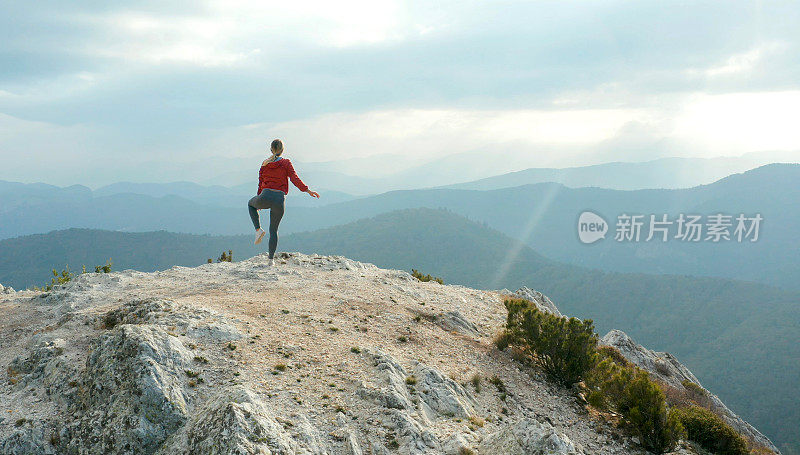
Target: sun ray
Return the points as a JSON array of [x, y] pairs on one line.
[[551, 191]]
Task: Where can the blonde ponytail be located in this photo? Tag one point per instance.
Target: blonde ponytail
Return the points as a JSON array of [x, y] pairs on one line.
[[276, 148]]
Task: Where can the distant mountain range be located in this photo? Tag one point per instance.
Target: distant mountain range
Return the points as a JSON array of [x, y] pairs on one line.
[[482, 170], [379, 173], [215, 195], [15, 196], [223, 180], [667, 173], [720, 328], [543, 215]]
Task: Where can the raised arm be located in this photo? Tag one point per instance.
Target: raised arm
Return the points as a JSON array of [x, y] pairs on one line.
[[297, 182]]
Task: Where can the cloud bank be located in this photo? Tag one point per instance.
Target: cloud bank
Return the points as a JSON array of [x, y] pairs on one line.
[[107, 85]]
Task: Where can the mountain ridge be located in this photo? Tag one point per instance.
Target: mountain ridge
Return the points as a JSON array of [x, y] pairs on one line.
[[662, 173], [544, 216], [313, 355]]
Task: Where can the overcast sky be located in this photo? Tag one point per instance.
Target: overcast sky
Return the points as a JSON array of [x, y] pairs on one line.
[[101, 85]]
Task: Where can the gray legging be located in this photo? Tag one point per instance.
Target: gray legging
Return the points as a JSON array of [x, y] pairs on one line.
[[274, 201]]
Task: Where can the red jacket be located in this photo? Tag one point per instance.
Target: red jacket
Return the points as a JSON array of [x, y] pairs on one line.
[[275, 176]]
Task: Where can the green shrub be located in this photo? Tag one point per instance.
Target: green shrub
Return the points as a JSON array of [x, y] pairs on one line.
[[425, 278], [476, 382], [630, 391], [607, 383], [60, 278], [66, 276], [711, 432], [693, 388], [565, 348], [498, 383], [502, 340], [105, 268], [658, 428], [224, 257], [614, 354]]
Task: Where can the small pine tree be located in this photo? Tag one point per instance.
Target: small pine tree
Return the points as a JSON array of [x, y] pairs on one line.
[[425, 278], [607, 383], [564, 347], [658, 428], [105, 268], [616, 384], [59, 278], [225, 257]]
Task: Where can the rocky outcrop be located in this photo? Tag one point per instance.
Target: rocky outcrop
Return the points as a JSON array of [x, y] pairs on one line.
[[435, 395], [43, 350], [396, 392], [316, 355], [29, 440], [456, 322], [662, 365], [440, 395], [542, 302], [133, 395], [666, 368], [529, 437], [392, 393], [234, 422]]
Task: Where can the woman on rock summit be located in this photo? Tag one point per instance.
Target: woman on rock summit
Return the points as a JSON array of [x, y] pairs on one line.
[[273, 186]]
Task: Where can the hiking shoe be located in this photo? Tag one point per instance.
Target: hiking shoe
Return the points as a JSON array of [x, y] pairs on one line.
[[259, 236], [271, 262]]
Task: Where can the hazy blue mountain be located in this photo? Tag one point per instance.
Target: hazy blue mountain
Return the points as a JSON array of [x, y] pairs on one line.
[[543, 215], [125, 212], [728, 332], [363, 176], [15, 195], [178, 206], [483, 170], [216, 195], [660, 173], [502, 169], [378, 174], [320, 180], [207, 195]]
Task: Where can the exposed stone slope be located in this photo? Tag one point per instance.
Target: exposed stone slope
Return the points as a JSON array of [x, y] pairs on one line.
[[316, 355]]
